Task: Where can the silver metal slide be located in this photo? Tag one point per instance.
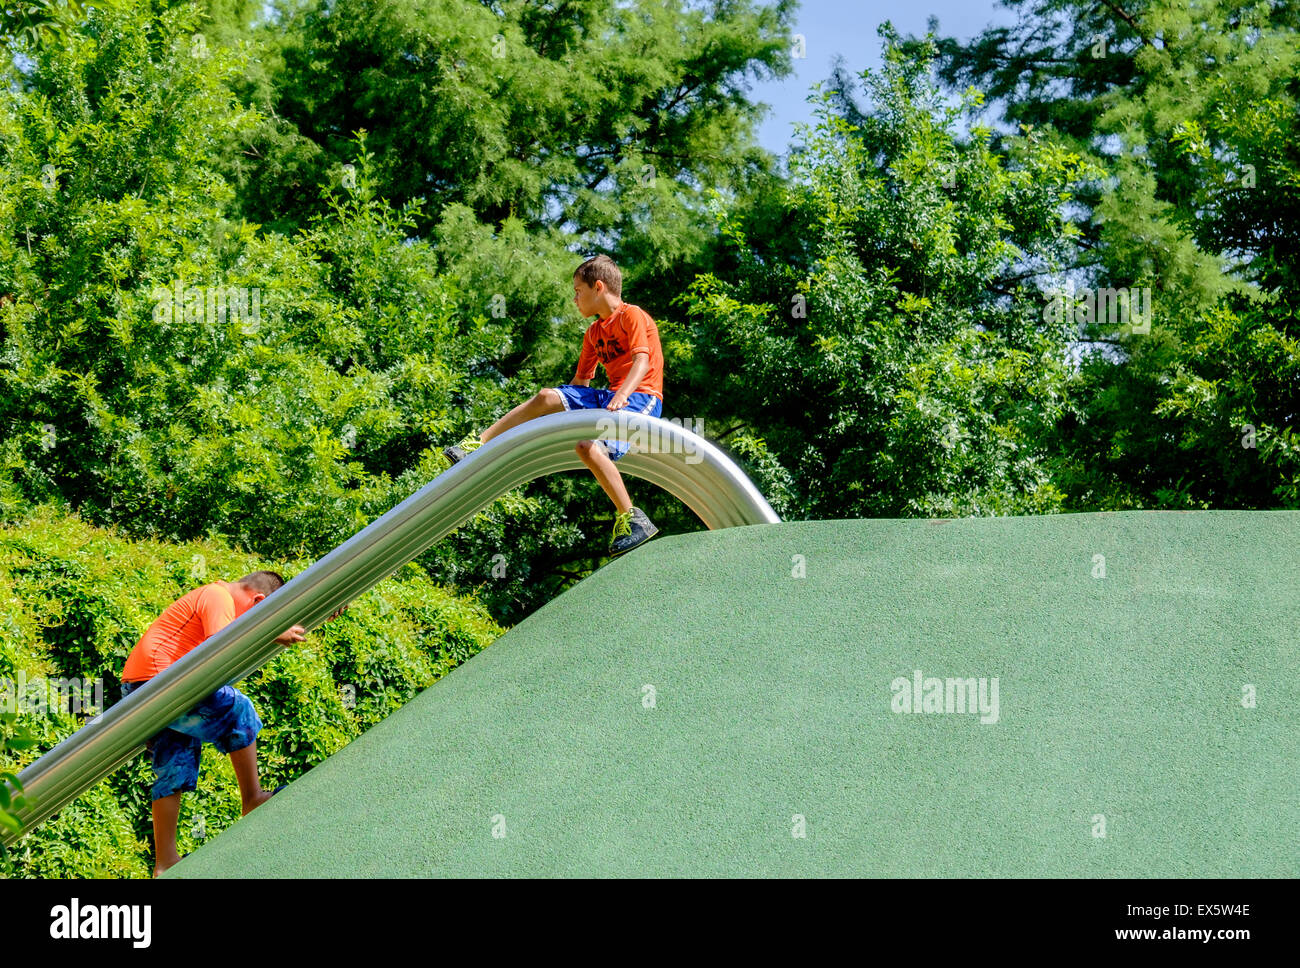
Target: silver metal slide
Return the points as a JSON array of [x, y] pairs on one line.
[[666, 454]]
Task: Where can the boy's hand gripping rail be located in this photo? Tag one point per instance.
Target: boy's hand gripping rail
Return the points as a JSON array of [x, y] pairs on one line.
[[677, 460]]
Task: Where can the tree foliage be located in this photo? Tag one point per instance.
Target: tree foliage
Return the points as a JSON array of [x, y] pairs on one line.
[[873, 330], [1190, 111], [611, 120]]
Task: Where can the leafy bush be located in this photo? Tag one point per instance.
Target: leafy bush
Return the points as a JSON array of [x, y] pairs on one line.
[[74, 600]]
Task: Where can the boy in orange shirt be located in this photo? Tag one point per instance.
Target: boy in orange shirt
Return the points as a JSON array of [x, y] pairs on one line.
[[226, 719], [626, 341]]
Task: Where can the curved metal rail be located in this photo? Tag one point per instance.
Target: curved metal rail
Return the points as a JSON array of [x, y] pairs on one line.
[[677, 460]]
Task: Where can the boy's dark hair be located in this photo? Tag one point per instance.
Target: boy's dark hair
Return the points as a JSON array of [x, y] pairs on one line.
[[262, 581], [601, 267]]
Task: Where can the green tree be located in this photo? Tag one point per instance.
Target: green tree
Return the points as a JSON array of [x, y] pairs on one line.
[[133, 389], [165, 367], [29, 21], [1191, 113], [875, 333], [612, 120]]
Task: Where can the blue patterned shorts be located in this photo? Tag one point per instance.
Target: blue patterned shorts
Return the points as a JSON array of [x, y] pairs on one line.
[[226, 719], [594, 398]]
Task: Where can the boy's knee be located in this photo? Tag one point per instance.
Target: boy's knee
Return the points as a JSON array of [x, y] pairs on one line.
[[550, 397], [584, 448]]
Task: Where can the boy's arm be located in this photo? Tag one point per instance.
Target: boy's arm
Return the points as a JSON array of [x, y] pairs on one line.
[[640, 364], [586, 362], [216, 610]]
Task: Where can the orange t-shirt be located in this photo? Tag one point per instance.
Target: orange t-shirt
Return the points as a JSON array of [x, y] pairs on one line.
[[189, 620], [614, 340]]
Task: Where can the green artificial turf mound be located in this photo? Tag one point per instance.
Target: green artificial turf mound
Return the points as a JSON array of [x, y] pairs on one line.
[[694, 707]]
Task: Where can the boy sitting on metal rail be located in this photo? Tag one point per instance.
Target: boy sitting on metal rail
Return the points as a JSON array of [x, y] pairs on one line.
[[226, 719], [626, 341]]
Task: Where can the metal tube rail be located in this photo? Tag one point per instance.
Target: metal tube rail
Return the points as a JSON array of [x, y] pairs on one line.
[[666, 454]]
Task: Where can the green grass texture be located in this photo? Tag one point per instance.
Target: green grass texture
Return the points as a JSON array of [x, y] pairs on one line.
[[741, 703]]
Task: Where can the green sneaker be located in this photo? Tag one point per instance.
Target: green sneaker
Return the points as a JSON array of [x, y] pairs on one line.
[[458, 452], [631, 528]]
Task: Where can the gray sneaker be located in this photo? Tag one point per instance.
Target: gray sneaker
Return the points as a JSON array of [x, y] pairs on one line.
[[631, 528], [458, 452]]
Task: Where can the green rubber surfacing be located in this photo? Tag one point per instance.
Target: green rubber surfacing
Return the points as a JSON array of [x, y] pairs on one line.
[[1120, 710]]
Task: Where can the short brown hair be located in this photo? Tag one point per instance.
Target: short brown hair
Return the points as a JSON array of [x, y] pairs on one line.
[[262, 581], [601, 267]]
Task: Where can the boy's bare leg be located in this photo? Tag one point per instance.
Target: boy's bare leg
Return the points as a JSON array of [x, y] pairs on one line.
[[544, 402], [250, 787], [165, 813], [595, 456]]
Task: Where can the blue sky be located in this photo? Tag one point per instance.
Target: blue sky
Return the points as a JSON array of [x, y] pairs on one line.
[[848, 28]]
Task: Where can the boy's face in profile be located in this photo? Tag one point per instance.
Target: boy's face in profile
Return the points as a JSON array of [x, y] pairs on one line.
[[585, 296]]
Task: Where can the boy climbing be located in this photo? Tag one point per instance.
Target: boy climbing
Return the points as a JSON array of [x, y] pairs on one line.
[[226, 719], [626, 341]]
